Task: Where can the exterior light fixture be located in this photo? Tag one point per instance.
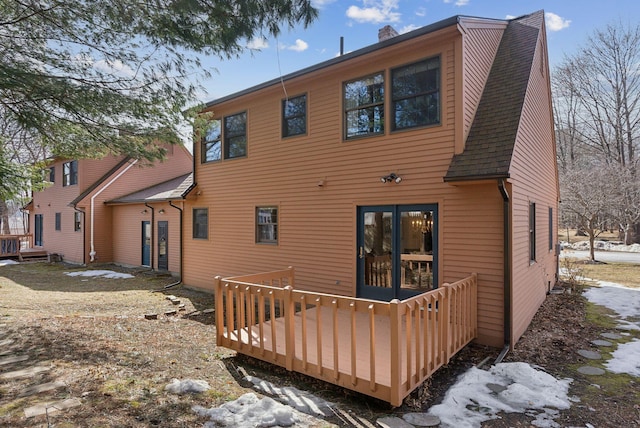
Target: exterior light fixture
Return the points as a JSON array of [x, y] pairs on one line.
[[161, 211], [391, 177]]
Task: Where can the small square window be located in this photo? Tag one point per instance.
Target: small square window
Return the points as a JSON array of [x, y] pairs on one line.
[[294, 116], [267, 225], [200, 223]]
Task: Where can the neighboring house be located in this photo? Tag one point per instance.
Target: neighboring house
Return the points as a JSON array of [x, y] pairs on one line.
[[390, 170], [70, 217]]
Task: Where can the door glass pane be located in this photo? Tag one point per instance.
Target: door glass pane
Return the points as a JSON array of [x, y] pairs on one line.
[[378, 249], [416, 250]]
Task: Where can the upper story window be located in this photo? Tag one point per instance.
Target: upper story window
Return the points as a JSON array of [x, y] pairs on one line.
[[52, 174], [70, 173], [415, 94], [294, 116], [212, 143], [235, 136], [364, 106]]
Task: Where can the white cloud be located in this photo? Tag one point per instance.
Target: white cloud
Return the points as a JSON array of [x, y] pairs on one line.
[[421, 11], [555, 22], [117, 68], [510, 17], [458, 2], [408, 28], [258, 43], [321, 3], [375, 11], [300, 46]]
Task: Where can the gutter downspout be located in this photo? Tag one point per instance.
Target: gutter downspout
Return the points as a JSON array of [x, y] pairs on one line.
[[92, 253], [153, 241], [507, 270], [179, 281]]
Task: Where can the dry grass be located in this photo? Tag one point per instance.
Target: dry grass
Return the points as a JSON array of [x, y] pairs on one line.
[[621, 273]]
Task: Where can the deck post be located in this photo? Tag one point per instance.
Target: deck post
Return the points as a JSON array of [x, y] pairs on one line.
[[445, 322], [291, 276], [219, 308], [395, 330], [289, 327], [474, 306]]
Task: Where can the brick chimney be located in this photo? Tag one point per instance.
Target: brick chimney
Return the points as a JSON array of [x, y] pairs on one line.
[[386, 33]]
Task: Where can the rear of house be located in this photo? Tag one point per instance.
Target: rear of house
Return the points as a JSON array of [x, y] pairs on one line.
[[71, 218], [350, 172]]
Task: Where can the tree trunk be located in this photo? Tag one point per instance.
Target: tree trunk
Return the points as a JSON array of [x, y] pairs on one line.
[[4, 217]]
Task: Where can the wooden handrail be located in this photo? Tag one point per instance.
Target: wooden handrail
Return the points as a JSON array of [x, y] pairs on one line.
[[424, 330]]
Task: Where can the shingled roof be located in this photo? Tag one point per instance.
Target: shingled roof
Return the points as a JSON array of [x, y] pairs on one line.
[[173, 189], [492, 136]]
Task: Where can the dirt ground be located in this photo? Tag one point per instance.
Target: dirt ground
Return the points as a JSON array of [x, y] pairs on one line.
[[93, 336]]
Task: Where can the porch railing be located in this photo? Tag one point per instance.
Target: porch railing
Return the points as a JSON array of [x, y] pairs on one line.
[[11, 245], [382, 349]]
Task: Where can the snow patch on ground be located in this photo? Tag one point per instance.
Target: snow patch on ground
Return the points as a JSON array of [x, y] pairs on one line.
[[300, 400], [521, 387], [187, 386], [623, 300], [100, 273], [626, 303], [8, 262], [249, 411], [602, 246]]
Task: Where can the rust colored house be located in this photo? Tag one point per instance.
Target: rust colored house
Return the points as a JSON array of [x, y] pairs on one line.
[[382, 176], [70, 217]]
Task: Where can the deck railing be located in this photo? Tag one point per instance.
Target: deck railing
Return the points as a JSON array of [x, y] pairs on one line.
[[10, 245], [382, 349]]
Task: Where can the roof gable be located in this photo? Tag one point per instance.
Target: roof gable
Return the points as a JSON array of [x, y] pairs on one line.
[[491, 140]]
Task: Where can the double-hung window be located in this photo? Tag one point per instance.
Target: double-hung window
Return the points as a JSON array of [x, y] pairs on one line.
[[235, 136], [200, 223], [267, 225], [294, 116], [364, 106], [70, 173], [532, 233], [212, 143], [415, 94]]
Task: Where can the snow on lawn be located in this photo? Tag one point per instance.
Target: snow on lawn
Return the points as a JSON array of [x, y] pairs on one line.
[[626, 303], [8, 262], [100, 273], [479, 395]]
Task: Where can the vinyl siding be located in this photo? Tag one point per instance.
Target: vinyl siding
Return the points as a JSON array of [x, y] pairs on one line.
[[480, 47], [534, 178], [317, 224]]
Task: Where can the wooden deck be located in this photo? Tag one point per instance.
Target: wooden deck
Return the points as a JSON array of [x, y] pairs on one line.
[[382, 349], [14, 245]]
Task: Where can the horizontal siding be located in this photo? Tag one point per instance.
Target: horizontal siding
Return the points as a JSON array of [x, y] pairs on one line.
[[534, 177], [480, 47], [317, 224]]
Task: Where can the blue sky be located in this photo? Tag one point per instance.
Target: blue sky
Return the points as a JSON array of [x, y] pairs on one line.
[[569, 23]]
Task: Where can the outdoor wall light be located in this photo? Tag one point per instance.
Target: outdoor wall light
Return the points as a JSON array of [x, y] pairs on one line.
[[391, 177], [144, 211], [161, 211]]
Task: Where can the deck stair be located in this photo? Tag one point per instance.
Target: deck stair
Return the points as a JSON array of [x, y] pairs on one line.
[[33, 254]]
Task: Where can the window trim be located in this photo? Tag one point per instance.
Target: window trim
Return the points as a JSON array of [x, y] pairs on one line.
[[285, 119], [392, 99], [383, 104], [226, 136], [77, 221], [532, 232], [204, 143], [193, 226], [275, 241], [70, 173]]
